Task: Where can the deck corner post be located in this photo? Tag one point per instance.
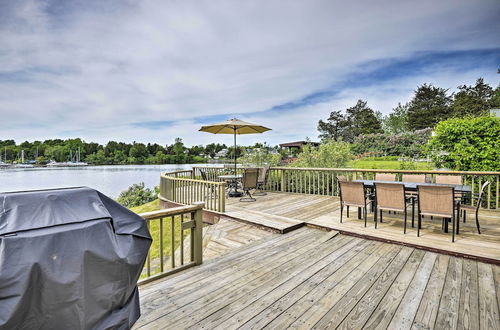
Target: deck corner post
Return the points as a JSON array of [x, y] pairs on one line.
[[198, 234]]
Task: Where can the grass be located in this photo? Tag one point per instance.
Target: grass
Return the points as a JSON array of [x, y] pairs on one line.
[[154, 229], [388, 164], [148, 207]]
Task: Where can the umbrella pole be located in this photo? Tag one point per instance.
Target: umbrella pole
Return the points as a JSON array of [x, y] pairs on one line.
[[235, 150]]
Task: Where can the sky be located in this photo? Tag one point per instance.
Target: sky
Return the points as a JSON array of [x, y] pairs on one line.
[[154, 70]]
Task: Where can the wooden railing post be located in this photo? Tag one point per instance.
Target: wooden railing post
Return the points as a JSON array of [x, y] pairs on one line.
[[198, 234], [282, 180]]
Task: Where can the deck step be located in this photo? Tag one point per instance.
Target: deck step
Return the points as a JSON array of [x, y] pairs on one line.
[[274, 222]]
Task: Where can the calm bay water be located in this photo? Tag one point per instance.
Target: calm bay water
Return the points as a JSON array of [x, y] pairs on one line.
[[110, 180]]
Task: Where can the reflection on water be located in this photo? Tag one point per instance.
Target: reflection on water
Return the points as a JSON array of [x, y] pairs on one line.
[[110, 180]]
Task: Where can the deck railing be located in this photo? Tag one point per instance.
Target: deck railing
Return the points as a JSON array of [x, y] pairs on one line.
[[213, 172], [323, 181], [184, 187], [169, 228]]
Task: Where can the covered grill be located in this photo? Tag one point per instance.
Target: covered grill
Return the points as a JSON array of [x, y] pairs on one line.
[[69, 259]]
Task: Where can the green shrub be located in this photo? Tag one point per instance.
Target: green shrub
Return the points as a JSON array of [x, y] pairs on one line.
[[260, 157], [408, 144], [329, 154], [136, 195], [467, 144]]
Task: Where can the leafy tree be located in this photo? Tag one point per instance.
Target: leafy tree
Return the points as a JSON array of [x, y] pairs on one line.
[[139, 152], [359, 119], [429, 106], [335, 126], [467, 144], [136, 195], [329, 154], [473, 100], [397, 121], [212, 149], [363, 120], [240, 151]]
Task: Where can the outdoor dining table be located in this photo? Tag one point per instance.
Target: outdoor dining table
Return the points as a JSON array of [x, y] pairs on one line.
[[233, 185], [413, 187]]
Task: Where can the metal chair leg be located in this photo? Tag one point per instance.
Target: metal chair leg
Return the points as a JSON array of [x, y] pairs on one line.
[[365, 209], [404, 231], [412, 212], [418, 224], [341, 211], [453, 228], [477, 221]]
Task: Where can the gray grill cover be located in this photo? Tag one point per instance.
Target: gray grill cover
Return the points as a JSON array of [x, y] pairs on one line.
[[69, 259]]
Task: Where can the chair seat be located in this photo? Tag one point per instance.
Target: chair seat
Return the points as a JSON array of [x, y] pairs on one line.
[[353, 204], [437, 214], [390, 209], [468, 207]]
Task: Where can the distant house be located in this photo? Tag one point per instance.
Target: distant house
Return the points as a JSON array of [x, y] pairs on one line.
[[295, 147], [221, 154]]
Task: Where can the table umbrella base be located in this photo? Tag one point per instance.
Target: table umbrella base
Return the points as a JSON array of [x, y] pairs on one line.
[[235, 194]]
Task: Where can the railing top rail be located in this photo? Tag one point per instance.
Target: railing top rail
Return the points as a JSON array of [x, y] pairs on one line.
[[191, 180], [179, 171], [385, 171], [172, 211]]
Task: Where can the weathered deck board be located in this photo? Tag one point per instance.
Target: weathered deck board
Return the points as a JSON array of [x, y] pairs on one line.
[[309, 278], [282, 210]]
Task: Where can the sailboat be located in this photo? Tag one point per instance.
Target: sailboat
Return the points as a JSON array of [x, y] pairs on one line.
[[22, 164], [3, 164], [73, 162]]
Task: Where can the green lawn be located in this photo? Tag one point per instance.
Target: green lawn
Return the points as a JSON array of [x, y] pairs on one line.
[[154, 229], [388, 164], [148, 207]]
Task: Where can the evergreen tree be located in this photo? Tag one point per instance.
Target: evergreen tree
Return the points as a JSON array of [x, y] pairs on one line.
[[429, 106], [359, 119], [473, 100]]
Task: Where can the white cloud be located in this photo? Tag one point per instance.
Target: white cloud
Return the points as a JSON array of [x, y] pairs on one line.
[[94, 67]]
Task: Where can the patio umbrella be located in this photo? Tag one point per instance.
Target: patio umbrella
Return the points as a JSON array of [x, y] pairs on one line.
[[234, 126]]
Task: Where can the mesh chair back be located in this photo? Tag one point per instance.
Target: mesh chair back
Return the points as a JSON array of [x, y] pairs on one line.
[[341, 178], [385, 177], [390, 196], [352, 192], [263, 174], [250, 177], [418, 178], [449, 179], [437, 200]]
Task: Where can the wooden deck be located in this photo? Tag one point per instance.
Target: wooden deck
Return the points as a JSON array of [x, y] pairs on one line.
[[310, 278], [286, 211]]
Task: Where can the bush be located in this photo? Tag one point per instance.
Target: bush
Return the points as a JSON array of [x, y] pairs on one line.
[[407, 144], [260, 157], [467, 144], [329, 154], [136, 195]]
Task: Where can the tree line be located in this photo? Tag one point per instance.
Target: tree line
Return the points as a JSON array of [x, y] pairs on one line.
[[111, 153], [429, 105], [408, 127]]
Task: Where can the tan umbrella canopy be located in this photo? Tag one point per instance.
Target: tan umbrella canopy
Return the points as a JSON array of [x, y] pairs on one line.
[[234, 126]]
